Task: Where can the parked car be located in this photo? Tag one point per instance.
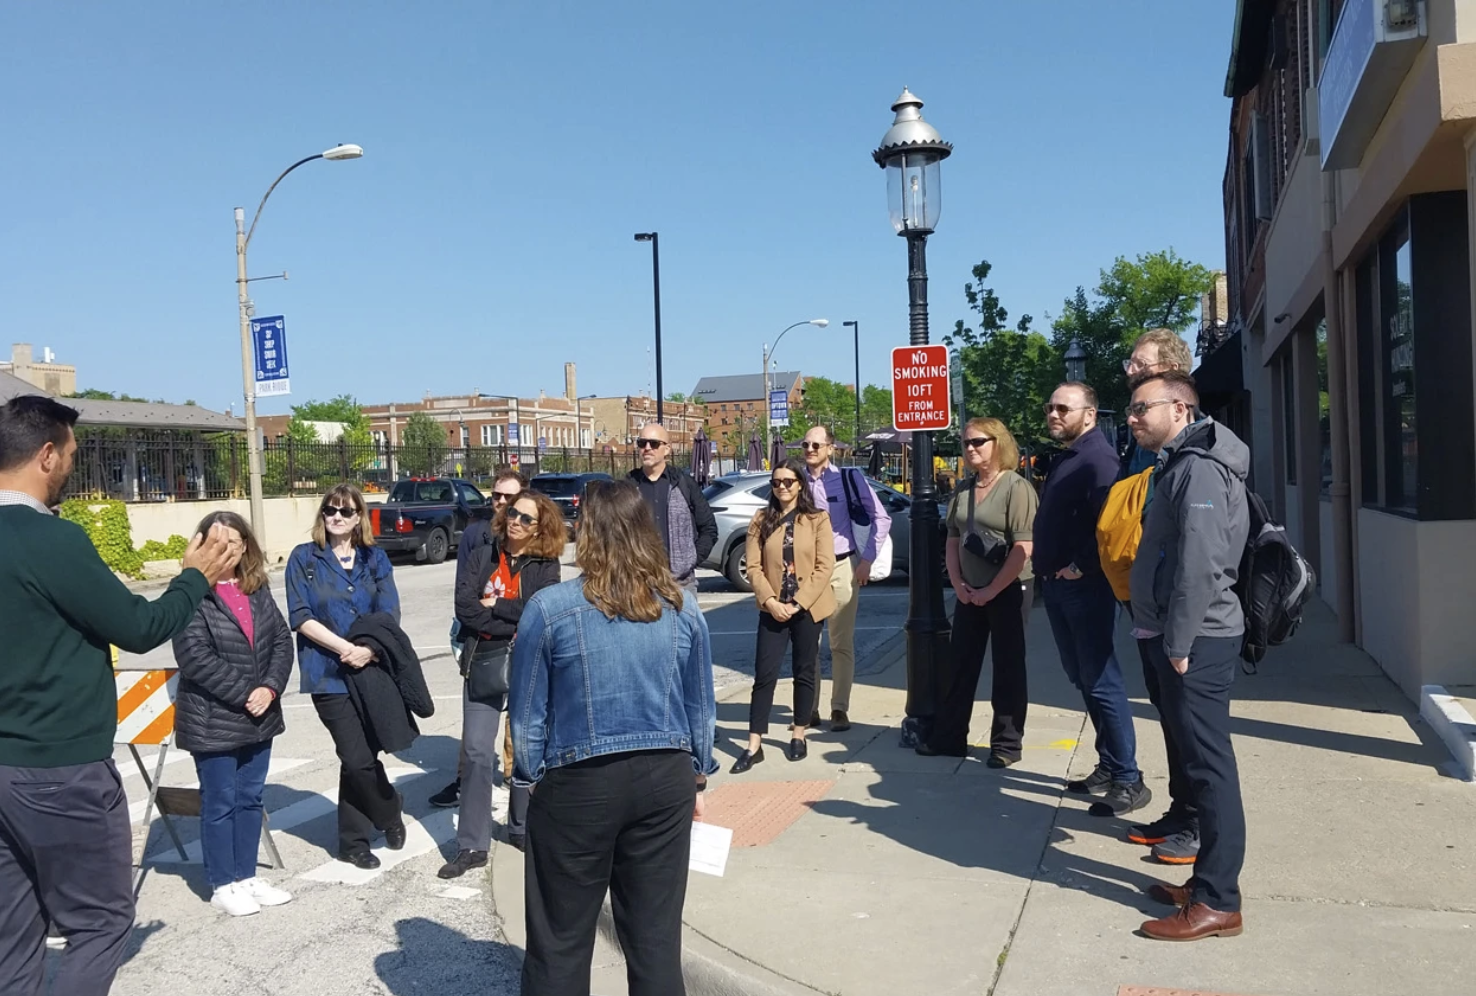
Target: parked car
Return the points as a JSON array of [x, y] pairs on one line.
[[736, 497], [426, 516], [567, 491]]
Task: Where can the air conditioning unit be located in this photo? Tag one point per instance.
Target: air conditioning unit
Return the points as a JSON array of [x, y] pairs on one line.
[[1311, 143], [1401, 15]]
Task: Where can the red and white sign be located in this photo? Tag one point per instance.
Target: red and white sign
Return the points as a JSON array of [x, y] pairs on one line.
[[513, 459], [920, 400]]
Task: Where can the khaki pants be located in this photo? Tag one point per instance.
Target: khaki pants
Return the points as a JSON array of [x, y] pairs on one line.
[[842, 628]]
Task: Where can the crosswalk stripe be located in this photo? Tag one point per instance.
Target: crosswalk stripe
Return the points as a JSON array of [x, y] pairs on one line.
[[300, 812], [278, 766], [422, 835], [127, 769]]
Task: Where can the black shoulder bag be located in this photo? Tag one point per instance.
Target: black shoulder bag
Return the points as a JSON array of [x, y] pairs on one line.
[[487, 667]]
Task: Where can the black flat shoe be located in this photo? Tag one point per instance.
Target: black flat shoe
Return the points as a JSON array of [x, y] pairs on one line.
[[746, 760], [1002, 760], [360, 859], [928, 750], [798, 750], [394, 837]]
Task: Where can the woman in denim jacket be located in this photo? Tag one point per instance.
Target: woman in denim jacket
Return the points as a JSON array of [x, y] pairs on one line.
[[613, 722]]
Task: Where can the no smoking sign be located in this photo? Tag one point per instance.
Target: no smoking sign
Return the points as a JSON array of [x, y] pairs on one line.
[[920, 401]]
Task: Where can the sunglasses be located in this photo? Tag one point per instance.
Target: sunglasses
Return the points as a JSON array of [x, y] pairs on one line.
[[1064, 409], [329, 511], [1140, 408], [650, 444], [978, 441], [513, 515], [813, 446], [784, 482], [505, 496]]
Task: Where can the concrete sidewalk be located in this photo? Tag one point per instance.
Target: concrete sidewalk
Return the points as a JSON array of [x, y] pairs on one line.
[[866, 869]]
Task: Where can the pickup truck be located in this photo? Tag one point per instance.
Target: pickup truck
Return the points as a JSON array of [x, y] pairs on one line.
[[426, 516]]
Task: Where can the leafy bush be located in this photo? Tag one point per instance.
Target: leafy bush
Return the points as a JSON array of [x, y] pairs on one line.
[[106, 523], [173, 549]]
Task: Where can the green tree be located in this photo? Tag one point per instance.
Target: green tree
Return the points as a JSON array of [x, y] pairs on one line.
[[1008, 371], [876, 409], [423, 446], [343, 409], [676, 397], [94, 394]]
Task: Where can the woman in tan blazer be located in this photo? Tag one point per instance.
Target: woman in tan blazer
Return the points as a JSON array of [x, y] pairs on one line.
[[791, 555]]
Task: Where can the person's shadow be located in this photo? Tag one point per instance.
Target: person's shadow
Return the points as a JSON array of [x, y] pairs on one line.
[[433, 958]]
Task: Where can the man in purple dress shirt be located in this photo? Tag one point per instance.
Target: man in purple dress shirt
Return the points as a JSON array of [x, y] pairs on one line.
[[844, 493]]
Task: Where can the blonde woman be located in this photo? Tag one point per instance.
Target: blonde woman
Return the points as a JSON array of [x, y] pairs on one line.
[[988, 554], [331, 581]]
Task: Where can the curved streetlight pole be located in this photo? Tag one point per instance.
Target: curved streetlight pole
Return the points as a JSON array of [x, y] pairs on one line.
[[655, 240], [248, 382], [769, 355]]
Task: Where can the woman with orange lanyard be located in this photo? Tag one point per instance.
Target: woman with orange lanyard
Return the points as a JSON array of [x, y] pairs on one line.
[[523, 558]]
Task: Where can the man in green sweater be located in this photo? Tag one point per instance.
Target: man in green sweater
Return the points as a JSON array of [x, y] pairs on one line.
[[66, 844]]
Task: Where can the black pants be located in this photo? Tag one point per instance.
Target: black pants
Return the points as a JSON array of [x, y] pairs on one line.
[[1182, 802], [802, 634], [66, 854], [958, 678], [366, 800], [621, 822], [1196, 707]]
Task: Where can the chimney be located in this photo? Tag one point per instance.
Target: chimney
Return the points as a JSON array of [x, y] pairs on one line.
[[570, 391], [20, 354]]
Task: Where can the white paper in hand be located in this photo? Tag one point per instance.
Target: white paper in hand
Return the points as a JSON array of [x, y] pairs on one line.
[[710, 847]]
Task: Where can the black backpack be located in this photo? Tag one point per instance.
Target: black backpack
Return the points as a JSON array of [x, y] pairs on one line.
[[1275, 583]]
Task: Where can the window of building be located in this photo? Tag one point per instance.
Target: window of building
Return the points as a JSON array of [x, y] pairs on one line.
[[1401, 448], [1324, 419], [465, 437], [491, 435], [1289, 415]]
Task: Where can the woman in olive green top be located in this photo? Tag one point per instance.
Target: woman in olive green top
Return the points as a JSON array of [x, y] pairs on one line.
[[989, 538]]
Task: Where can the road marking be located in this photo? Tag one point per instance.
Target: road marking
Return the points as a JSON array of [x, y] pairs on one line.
[[421, 836], [127, 769], [278, 766], [303, 811], [1053, 745], [459, 892]]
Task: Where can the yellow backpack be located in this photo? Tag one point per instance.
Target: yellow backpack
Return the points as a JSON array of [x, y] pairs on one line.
[[1119, 528]]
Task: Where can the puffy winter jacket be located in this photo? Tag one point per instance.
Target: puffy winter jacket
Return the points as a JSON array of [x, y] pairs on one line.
[[219, 669]]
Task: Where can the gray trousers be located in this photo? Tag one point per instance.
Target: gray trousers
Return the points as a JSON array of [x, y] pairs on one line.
[[66, 854], [482, 750]]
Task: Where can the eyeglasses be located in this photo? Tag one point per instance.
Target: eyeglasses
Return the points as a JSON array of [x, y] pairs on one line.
[[784, 482], [813, 446], [978, 441], [1132, 366], [1140, 408], [329, 511], [1064, 410], [513, 515], [650, 444], [498, 496]]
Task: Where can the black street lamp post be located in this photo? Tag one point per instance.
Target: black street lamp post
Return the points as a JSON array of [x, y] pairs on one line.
[[911, 152], [855, 328], [651, 237]]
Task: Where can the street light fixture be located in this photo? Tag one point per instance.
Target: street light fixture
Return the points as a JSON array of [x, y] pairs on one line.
[[769, 355], [248, 382], [911, 152], [652, 238], [1076, 362], [855, 328]]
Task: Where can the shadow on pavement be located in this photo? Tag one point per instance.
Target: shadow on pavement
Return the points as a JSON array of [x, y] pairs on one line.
[[431, 957]]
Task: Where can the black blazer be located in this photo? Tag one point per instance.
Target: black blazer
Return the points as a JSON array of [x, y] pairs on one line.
[[218, 670], [500, 622]]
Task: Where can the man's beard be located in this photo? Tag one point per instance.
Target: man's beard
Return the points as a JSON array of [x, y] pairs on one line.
[[1068, 435], [56, 486]]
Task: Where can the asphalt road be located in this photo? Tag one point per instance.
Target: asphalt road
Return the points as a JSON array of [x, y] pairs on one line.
[[399, 929]]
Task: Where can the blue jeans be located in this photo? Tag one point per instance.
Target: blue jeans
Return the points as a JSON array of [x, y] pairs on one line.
[[1082, 615], [231, 783]]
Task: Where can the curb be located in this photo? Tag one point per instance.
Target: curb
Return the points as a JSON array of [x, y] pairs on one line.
[[1450, 720]]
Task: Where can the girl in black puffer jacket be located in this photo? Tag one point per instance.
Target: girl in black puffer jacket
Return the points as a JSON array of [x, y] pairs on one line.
[[234, 661]]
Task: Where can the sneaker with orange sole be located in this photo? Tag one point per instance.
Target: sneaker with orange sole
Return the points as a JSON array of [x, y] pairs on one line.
[[1181, 848]]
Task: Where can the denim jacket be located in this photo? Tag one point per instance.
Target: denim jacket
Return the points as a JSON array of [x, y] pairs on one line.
[[319, 588], [584, 685]]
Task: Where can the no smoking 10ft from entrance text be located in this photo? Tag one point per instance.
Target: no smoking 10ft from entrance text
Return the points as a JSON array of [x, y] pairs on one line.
[[920, 395]]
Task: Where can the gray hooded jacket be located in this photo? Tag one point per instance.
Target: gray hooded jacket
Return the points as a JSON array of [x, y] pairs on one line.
[[1194, 533]]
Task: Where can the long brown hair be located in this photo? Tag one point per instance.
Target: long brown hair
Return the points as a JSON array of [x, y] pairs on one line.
[[251, 574], [804, 501], [627, 573], [363, 535], [549, 535]]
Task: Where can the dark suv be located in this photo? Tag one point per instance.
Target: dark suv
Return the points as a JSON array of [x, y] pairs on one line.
[[567, 491]]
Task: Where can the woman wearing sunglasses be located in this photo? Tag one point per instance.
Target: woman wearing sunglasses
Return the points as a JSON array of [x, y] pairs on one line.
[[528, 539], [331, 581], [989, 520], [791, 554]]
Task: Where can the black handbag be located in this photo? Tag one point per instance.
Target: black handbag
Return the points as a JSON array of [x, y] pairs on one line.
[[487, 667]]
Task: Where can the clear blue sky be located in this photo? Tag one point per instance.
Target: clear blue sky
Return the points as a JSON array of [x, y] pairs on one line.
[[512, 149]]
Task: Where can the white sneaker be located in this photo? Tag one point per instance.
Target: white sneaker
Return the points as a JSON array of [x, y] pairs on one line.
[[234, 900], [264, 893]]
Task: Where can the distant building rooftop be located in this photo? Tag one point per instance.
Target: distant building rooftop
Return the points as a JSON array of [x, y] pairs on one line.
[[742, 387], [130, 414]]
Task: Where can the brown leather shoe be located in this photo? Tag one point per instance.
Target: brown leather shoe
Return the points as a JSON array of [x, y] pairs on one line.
[[1193, 923], [1173, 895], [839, 721]]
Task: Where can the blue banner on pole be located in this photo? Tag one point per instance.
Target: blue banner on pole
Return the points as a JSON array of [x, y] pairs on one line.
[[269, 348], [779, 408]]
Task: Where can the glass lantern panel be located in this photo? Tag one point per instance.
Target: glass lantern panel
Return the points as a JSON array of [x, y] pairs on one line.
[[914, 192]]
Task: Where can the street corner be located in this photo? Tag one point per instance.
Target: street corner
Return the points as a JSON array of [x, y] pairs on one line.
[[759, 811]]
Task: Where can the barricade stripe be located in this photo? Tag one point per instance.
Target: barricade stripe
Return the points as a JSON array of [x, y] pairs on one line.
[[142, 688], [157, 731]]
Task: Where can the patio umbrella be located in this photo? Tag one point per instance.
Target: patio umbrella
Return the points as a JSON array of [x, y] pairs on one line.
[[755, 454], [778, 453], [701, 459], [874, 465]]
